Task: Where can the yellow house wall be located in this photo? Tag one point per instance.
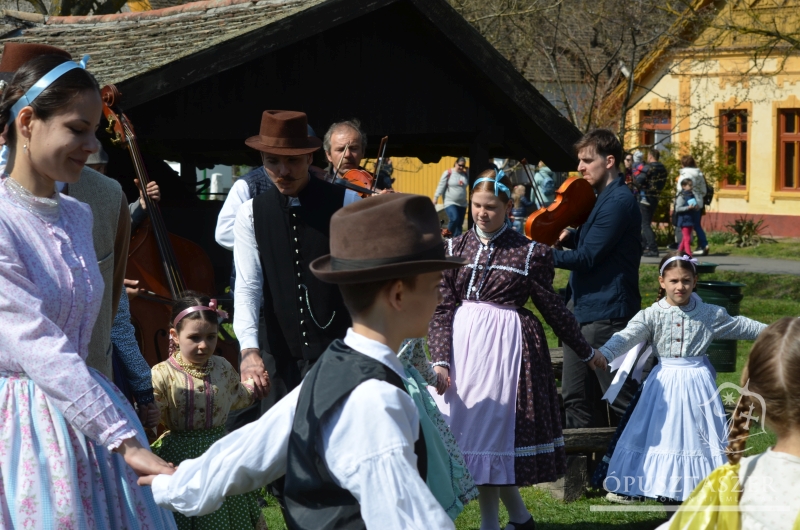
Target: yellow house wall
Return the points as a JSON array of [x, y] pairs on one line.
[[696, 92], [412, 176]]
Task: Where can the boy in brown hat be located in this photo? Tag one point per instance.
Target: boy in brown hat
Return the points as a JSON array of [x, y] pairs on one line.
[[348, 439]]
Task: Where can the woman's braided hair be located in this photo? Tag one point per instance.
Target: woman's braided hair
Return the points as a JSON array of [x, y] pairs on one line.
[[53, 98], [773, 372]]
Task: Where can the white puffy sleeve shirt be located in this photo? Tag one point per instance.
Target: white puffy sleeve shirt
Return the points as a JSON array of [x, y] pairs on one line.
[[680, 331], [367, 443]]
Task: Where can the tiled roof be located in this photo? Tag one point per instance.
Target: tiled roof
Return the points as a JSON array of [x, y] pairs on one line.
[[125, 45]]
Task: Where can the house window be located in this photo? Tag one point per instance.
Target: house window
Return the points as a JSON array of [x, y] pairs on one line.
[[734, 144], [789, 149], [656, 127]]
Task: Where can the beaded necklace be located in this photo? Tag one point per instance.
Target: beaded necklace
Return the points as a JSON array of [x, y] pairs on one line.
[[193, 370]]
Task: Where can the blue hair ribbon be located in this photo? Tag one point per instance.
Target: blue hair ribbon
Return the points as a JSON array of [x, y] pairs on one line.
[[48, 79], [498, 187]]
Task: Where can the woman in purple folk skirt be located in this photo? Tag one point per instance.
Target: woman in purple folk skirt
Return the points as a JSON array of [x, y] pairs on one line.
[[502, 404]]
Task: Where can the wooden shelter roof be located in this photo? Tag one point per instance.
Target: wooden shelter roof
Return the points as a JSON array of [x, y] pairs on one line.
[[195, 77]]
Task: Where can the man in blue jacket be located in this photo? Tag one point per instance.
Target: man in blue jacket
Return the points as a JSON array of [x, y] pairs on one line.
[[603, 287]]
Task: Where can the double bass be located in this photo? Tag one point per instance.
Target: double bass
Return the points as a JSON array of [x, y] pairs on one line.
[[574, 201], [166, 265]]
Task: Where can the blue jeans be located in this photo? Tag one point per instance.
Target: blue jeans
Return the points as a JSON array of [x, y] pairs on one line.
[[456, 216], [697, 216]]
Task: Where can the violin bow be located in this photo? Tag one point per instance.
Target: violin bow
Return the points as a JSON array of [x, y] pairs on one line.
[[336, 173], [535, 188], [379, 164]]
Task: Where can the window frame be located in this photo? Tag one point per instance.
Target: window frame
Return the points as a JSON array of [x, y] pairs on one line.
[[785, 138], [740, 137], [646, 126]]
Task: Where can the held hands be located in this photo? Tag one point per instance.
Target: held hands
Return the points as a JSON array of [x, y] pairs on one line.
[[149, 415], [442, 379], [143, 462], [598, 361], [252, 367]]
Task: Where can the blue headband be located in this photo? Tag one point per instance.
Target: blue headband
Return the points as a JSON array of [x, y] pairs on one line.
[[498, 187], [40, 85]]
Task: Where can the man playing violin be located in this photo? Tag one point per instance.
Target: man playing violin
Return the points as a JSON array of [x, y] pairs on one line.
[[604, 283], [345, 144], [276, 235]]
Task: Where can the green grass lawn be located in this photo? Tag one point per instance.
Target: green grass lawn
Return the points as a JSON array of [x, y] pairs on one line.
[[767, 298], [781, 249]]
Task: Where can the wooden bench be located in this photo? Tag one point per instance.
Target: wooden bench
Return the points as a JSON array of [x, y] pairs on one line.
[[557, 361]]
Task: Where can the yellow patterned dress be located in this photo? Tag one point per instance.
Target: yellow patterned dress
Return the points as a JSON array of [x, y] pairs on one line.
[[194, 404]]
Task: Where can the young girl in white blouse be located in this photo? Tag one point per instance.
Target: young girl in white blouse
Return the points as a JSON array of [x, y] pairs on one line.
[[765, 487], [676, 434]]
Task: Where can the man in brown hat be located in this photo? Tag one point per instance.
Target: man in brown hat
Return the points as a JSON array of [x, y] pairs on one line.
[[348, 439], [276, 235]]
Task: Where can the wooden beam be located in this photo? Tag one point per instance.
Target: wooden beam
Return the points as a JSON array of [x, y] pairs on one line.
[[594, 440], [557, 361]]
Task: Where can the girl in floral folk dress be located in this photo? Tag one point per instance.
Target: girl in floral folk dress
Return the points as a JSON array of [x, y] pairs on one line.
[[502, 405], [195, 390]]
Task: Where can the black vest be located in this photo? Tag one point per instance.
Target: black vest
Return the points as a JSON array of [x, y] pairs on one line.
[[303, 315], [313, 500]]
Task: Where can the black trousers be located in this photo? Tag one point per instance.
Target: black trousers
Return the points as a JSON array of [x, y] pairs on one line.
[[582, 388], [648, 237]]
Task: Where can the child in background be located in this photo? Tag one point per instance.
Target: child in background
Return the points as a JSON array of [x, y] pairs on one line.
[[685, 205], [448, 477], [195, 390], [676, 435], [767, 486]]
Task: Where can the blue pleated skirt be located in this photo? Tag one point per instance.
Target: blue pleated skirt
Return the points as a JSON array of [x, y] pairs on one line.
[[676, 435], [53, 477]]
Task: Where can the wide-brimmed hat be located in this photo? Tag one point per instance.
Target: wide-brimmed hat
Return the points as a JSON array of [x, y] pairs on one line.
[[15, 54], [388, 236], [284, 132]]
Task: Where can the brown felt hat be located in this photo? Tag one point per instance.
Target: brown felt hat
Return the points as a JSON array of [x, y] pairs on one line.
[[284, 132], [388, 236], [15, 54]]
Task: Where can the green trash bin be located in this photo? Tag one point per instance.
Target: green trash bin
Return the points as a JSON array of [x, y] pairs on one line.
[[722, 353]]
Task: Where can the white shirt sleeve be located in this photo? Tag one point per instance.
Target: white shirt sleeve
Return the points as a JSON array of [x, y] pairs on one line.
[[242, 461], [239, 194], [249, 278], [379, 467]]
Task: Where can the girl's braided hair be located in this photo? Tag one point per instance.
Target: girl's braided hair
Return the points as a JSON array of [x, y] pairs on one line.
[[772, 372], [52, 99]]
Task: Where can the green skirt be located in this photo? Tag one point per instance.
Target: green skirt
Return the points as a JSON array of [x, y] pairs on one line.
[[238, 512], [448, 477]]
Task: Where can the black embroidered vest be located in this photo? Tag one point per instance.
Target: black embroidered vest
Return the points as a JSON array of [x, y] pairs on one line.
[[303, 315], [313, 499]]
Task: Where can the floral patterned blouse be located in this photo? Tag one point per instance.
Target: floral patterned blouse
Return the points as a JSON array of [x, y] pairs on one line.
[[188, 403], [414, 355]]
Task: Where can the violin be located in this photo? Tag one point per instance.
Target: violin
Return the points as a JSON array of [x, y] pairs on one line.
[[360, 180], [157, 258], [573, 204]]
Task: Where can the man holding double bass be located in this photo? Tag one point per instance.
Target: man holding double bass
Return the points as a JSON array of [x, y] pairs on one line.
[[603, 289]]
